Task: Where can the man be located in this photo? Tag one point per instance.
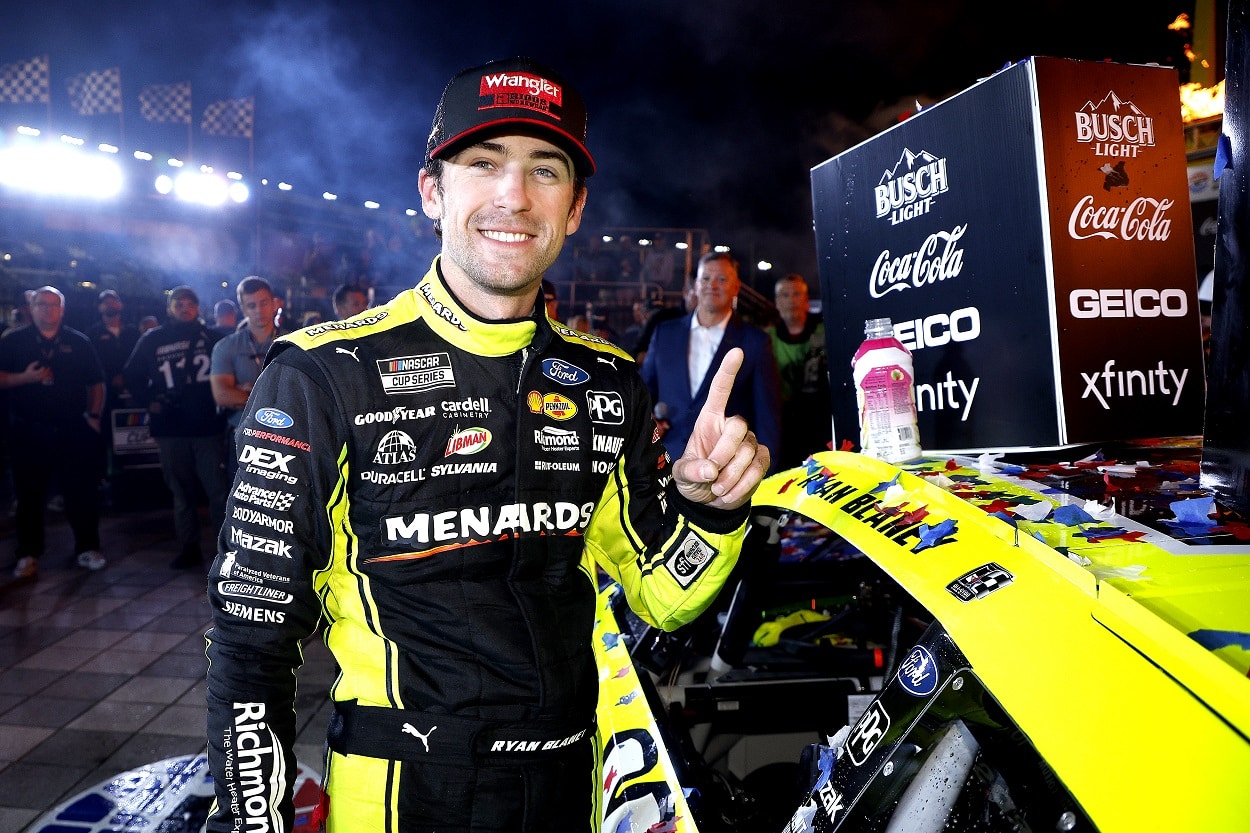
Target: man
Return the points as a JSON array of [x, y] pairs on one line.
[[168, 374], [683, 352], [237, 358], [551, 300], [799, 345], [455, 469], [113, 341], [225, 317], [348, 300], [55, 389]]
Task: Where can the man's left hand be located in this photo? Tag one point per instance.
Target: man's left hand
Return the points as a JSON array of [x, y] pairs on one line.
[[723, 463]]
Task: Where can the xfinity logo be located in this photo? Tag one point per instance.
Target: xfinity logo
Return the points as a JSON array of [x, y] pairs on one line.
[[605, 407], [1110, 383]]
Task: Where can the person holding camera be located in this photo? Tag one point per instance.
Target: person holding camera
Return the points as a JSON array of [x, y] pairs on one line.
[[168, 373]]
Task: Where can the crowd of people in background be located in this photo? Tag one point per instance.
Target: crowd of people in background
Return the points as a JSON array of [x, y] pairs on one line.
[[192, 373]]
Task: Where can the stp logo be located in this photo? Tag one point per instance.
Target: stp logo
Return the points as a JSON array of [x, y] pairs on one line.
[[265, 458], [606, 407]]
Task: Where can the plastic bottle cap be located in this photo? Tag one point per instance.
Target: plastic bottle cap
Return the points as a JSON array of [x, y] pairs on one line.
[[878, 328]]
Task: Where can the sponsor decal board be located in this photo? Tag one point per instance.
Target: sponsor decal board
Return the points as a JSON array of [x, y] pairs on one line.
[[1031, 240]]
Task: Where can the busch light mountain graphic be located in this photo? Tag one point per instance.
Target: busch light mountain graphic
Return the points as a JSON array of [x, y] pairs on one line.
[[1114, 127], [907, 190]]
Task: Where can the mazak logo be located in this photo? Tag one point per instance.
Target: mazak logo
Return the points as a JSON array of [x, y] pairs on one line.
[[416, 374], [831, 800], [255, 543], [394, 449], [553, 405], [564, 373], [273, 418], [605, 407], [1114, 127], [468, 441], [1145, 218], [907, 190], [939, 258], [557, 439], [440, 309], [398, 414]]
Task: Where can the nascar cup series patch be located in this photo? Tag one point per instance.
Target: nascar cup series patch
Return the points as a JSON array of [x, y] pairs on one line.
[[174, 794]]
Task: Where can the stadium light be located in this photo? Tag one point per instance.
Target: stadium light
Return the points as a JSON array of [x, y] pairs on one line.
[[60, 170]]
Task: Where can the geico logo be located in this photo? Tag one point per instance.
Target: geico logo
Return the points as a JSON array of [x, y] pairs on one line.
[[1128, 303], [265, 458], [606, 406], [940, 329]]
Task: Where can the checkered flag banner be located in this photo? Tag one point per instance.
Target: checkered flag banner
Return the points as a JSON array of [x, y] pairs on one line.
[[25, 82], [166, 102], [92, 93], [231, 117]]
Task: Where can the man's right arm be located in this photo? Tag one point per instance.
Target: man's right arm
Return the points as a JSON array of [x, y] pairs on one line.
[[226, 391]]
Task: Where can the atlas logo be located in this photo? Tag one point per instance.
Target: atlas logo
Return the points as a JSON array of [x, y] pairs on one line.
[[395, 448], [273, 418], [564, 373], [605, 407]]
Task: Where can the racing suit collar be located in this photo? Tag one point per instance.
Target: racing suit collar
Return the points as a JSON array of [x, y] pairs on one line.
[[457, 325]]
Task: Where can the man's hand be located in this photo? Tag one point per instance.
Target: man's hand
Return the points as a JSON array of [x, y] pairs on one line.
[[723, 463]]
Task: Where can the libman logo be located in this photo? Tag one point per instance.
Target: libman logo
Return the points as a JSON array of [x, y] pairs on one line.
[[553, 405], [255, 770], [468, 441]]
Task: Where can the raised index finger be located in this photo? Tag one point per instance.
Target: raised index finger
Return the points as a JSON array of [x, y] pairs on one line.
[[723, 382]]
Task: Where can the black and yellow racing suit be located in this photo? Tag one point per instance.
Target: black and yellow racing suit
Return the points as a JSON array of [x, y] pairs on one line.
[[441, 490]]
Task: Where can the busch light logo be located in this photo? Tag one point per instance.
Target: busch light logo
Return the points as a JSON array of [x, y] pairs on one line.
[[918, 674], [273, 418], [563, 372]]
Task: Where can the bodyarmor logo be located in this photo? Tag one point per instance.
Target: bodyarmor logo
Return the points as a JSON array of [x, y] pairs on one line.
[[416, 374], [1114, 127], [908, 189], [468, 441], [395, 448]]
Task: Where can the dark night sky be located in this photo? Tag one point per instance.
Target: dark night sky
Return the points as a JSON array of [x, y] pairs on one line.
[[702, 114]]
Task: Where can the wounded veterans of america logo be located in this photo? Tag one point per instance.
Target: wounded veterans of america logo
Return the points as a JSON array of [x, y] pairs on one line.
[[169, 795]]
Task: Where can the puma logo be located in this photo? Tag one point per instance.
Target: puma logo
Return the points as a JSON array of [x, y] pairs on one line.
[[409, 729], [611, 361], [351, 352]]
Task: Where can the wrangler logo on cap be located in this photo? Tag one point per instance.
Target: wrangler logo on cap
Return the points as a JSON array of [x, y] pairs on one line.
[[521, 89]]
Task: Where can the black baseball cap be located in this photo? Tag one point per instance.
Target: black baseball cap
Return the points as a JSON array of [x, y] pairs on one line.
[[510, 94]]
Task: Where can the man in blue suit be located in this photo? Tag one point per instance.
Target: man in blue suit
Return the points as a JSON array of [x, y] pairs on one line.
[[677, 363]]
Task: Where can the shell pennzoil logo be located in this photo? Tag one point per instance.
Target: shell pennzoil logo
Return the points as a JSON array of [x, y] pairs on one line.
[[469, 441], [552, 404]]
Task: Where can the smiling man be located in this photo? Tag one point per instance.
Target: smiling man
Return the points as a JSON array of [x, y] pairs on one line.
[[442, 479]]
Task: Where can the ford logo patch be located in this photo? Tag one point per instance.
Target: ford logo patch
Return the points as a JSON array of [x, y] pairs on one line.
[[273, 418], [918, 674], [563, 372]]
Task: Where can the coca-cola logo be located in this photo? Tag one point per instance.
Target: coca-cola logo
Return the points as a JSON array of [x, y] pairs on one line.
[[1145, 218], [937, 259]]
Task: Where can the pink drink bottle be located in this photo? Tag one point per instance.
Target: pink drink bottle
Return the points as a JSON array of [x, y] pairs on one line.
[[882, 369]]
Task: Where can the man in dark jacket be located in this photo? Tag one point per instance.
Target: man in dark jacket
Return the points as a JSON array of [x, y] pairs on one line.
[[168, 373]]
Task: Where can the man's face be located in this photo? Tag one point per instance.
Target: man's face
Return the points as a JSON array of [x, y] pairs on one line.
[[110, 307], [791, 299], [259, 308], [505, 205], [184, 309], [717, 286], [352, 303], [46, 310]]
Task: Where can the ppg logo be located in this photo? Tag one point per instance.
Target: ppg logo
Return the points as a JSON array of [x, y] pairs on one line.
[[606, 407]]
